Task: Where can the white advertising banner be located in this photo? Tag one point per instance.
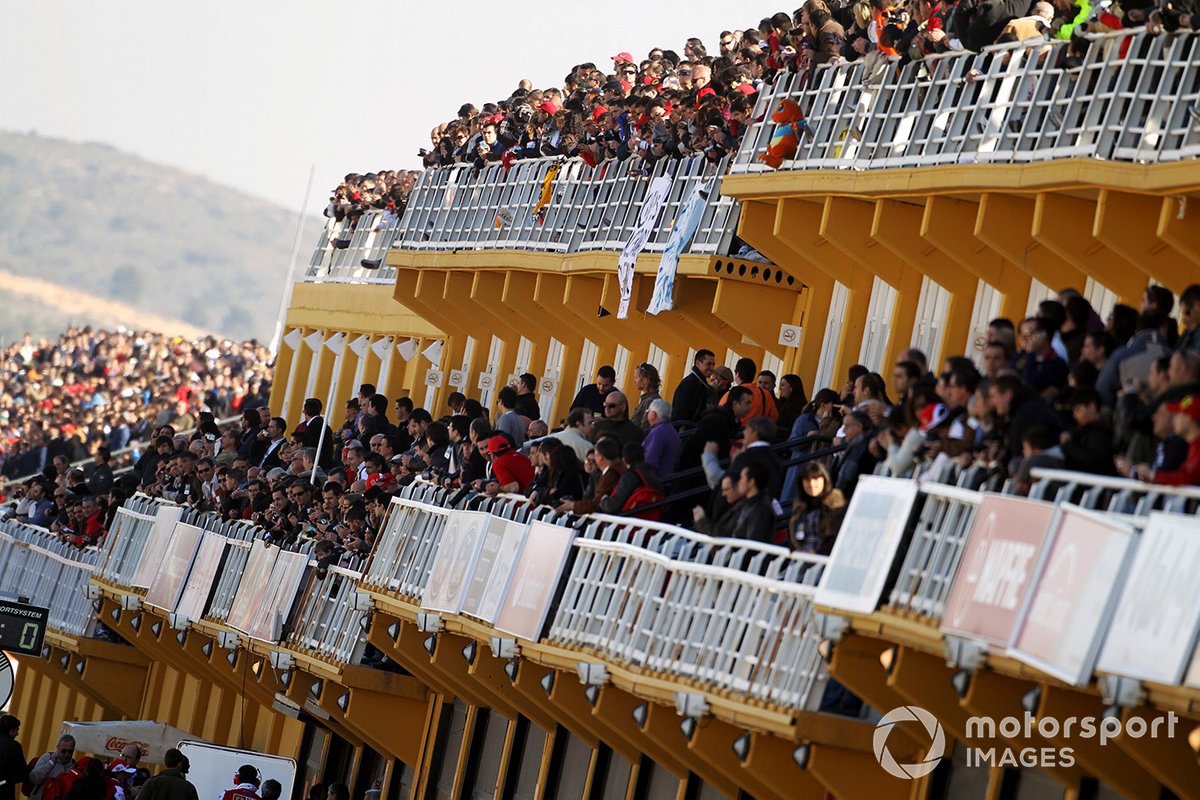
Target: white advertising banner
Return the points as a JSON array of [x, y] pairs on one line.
[[502, 545], [156, 546], [656, 196], [535, 580], [865, 548], [997, 566], [168, 583], [454, 564], [1073, 595]]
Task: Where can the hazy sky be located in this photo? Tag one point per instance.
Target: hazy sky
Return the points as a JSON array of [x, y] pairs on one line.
[[250, 94]]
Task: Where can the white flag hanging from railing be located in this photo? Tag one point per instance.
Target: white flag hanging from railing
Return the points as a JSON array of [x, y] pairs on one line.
[[685, 227], [656, 196]]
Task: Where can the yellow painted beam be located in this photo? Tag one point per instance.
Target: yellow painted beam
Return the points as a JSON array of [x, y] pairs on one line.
[[990, 694], [1067, 173], [1063, 224], [945, 224], [1124, 221], [1005, 223], [770, 760], [896, 225], [1177, 223], [370, 309], [1166, 756]]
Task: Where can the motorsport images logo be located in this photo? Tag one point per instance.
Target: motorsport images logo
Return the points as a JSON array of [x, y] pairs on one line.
[[937, 748]]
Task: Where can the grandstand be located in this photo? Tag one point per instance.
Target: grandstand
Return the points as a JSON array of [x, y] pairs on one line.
[[490, 647]]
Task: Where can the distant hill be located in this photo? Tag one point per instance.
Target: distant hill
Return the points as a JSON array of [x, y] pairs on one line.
[[108, 224]]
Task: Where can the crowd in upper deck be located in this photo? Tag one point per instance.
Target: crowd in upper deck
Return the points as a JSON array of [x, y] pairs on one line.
[[699, 101]]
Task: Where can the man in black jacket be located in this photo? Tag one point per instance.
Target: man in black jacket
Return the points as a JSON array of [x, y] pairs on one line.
[[314, 423], [978, 23], [171, 783], [14, 769], [719, 424], [692, 397], [1017, 408], [755, 514], [759, 435]]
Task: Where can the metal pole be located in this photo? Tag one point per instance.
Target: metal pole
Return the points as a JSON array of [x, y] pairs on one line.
[[286, 299]]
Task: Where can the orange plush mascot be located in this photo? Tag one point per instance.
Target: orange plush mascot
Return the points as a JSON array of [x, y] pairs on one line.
[[786, 139]]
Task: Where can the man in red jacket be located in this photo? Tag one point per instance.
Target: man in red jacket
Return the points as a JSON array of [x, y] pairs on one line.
[[511, 471]]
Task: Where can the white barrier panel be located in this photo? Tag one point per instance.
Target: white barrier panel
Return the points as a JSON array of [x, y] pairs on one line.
[[866, 547], [202, 576], [502, 545], [1157, 621], [168, 584], [725, 628], [535, 580], [155, 547], [46, 572], [1073, 594], [266, 592], [330, 618], [454, 565]]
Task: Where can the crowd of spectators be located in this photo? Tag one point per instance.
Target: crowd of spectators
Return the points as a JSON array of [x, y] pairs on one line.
[[1063, 388], [672, 104], [1060, 389], [74, 410], [386, 190]]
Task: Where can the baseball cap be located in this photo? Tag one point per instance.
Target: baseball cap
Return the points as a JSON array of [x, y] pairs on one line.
[[623, 56], [497, 444], [724, 373], [1189, 405]]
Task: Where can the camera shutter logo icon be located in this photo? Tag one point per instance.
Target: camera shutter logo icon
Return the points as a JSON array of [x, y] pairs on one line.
[[937, 748]]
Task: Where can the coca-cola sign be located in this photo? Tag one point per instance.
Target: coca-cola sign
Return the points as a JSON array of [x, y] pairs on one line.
[[116, 744]]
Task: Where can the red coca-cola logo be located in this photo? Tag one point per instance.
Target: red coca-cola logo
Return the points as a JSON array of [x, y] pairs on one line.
[[116, 744]]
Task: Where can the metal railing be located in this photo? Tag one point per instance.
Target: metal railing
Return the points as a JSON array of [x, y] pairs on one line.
[[128, 537], [331, 616], [589, 208], [935, 550], [46, 572], [354, 250], [406, 548], [1115, 495], [724, 628], [1134, 98]]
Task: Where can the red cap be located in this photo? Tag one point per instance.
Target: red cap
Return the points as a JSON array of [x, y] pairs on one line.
[[1189, 405], [598, 112], [626, 86], [623, 56], [498, 444], [549, 108]]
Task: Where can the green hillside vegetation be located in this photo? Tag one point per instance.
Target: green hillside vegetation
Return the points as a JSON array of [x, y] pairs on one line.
[[113, 225]]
